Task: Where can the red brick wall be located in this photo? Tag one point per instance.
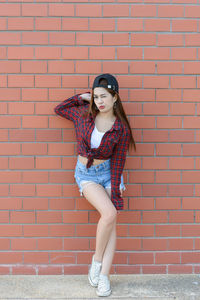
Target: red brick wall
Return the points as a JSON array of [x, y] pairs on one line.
[[52, 50]]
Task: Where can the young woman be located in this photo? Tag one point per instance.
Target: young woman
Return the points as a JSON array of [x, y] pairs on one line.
[[103, 136]]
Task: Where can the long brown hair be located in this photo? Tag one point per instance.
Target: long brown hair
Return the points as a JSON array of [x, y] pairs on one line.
[[118, 111]]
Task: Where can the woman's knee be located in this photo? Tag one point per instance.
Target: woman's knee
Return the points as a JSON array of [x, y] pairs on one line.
[[110, 216]]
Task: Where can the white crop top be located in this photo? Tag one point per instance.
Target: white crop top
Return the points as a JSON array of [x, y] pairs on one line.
[[96, 138]]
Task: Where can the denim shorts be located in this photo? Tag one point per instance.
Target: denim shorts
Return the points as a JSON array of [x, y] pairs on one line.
[[100, 174]]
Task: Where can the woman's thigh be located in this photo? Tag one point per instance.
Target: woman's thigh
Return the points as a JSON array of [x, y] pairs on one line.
[[99, 197]]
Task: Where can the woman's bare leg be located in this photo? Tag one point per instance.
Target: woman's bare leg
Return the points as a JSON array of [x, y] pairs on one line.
[[99, 198]]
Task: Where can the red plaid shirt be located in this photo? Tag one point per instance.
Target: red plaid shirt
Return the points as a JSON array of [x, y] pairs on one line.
[[114, 143]]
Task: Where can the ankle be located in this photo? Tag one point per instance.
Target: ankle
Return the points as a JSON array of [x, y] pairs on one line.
[[97, 258]]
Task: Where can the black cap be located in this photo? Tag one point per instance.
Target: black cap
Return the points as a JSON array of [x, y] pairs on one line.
[[111, 80]]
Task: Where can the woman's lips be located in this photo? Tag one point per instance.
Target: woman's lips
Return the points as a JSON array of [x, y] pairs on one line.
[[101, 107]]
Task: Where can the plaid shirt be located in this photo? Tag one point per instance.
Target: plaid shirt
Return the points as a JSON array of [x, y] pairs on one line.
[[114, 143]]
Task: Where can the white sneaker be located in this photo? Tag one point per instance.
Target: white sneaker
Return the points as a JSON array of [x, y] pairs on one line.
[[103, 286], [94, 272]]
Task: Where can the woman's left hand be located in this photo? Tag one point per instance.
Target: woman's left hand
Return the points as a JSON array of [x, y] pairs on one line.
[[121, 193]]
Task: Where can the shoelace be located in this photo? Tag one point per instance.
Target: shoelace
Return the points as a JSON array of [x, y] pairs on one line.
[[103, 282]]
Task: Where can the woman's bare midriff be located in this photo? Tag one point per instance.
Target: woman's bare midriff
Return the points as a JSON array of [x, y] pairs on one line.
[[84, 160]]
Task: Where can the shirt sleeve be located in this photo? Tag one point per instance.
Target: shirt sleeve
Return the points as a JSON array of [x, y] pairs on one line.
[[72, 108], [117, 165]]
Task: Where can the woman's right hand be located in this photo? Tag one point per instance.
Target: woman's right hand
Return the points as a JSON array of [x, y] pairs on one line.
[[86, 96]]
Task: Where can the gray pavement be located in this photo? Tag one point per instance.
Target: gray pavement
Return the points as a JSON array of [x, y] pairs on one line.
[[76, 287]]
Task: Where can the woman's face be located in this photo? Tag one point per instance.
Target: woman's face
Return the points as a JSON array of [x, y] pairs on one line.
[[103, 99]]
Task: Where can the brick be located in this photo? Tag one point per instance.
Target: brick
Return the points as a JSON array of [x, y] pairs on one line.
[[100, 24], [36, 257], [21, 108], [155, 109], [129, 217], [191, 95], [50, 244], [154, 269], [116, 10], [155, 244], [10, 149], [143, 39], [38, 38], [137, 204], [11, 258], [22, 217], [116, 39], [155, 217], [190, 257], [141, 230], [141, 177], [181, 216], [76, 244], [48, 163], [48, 23], [9, 38], [63, 204], [191, 177], [141, 258], [168, 177], [181, 163], [169, 122], [9, 67], [75, 52], [192, 39], [143, 10], [181, 190], [35, 177], [154, 190], [61, 230], [168, 149], [34, 67], [154, 163], [182, 109], [3, 23], [47, 53], [34, 149], [184, 54], [20, 81], [22, 135], [191, 122], [46, 270], [170, 40], [157, 25], [168, 203], [170, 11], [61, 149], [35, 230], [115, 66], [75, 217], [129, 25], [88, 66], [75, 24], [61, 177], [157, 53], [184, 25], [141, 67], [3, 134], [141, 122], [155, 81], [35, 122], [3, 52], [142, 95], [62, 38], [167, 258], [35, 203], [9, 9], [19, 190], [47, 81], [129, 53], [179, 269], [182, 136], [89, 38], [49, 217], [61, 9], [192, 11], [48, 190], [168, 95], [192, 150], [50, 135], [4, 109], [155, 135], [21, 163], [3, 163], [88, 10], [191, 67], [62, 258], [20, 53], [3, 81], [128, 244], [20, 24], [35, 9], [168, 230], [170, 68], [102, 53]]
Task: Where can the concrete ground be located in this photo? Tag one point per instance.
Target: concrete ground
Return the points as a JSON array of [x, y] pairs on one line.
[[76, 287]]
